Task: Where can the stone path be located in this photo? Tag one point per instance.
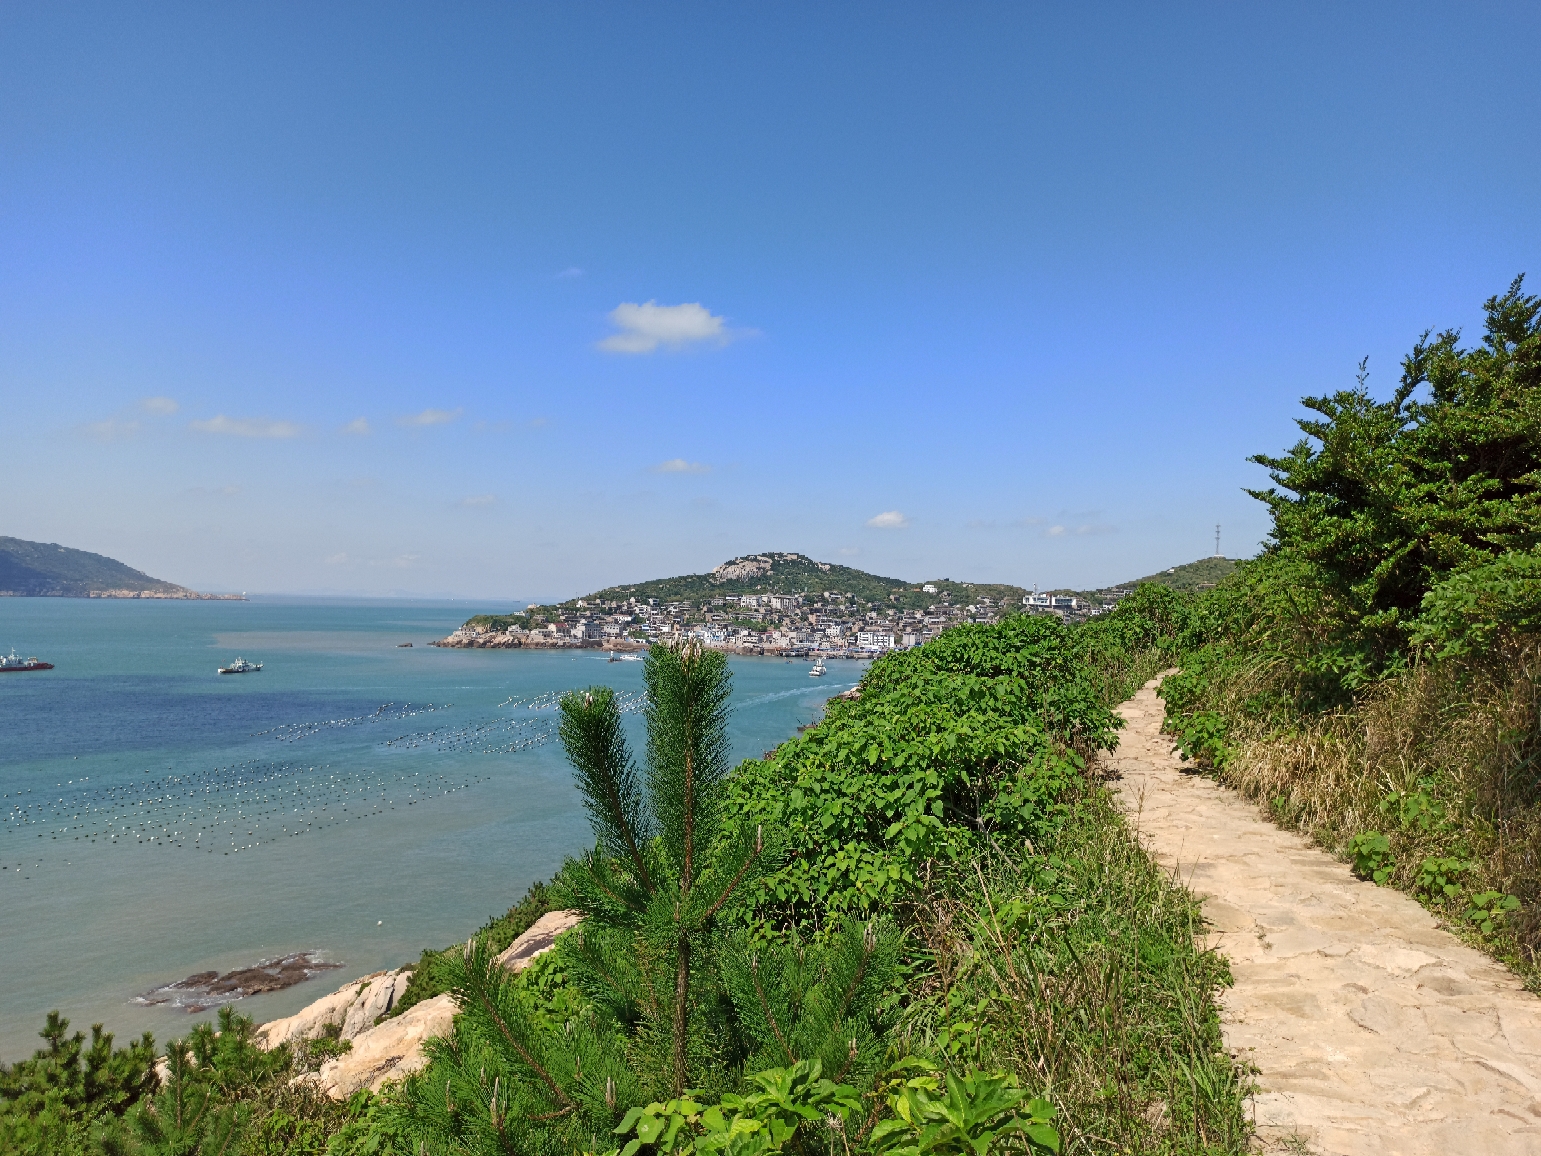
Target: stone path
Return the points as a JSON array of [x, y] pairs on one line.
[[1371, 1029]]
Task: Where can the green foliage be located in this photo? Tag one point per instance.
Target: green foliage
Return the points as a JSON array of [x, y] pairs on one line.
[[1201, 737], [1437, 877], [1413, 507], [1472, 610], [68, 1096], [1372, 856], [1490, 910], [427, 978], [1191, 576], [967, 741], [656, 995], [943, 1114], [793, 1106]]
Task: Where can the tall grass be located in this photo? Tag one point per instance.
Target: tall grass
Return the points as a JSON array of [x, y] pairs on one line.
[[1081, 971], [1441, 758]]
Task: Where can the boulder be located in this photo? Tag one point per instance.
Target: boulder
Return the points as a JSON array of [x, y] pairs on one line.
[[539, 939], [354, 1007], [392, 1048]]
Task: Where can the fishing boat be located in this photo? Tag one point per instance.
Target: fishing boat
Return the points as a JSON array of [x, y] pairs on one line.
[[241, 666], [13, 664], [818, 670]]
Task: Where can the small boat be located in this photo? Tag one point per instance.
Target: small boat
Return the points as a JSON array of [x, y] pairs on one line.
[[13, 664], [240, 666], [613, 658], [399, 645], [818, 670]]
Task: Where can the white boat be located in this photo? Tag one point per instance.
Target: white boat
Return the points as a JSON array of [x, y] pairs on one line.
[[818, 670], [240, 666]]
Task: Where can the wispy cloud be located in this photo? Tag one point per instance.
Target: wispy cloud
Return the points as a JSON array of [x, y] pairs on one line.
[[338, 559], [247, 427], [113, 429], [1010, 524], [681, 466], [571, 273], [645, 327], [430, 417], [479, 500], [1082, 531], [358, 427], [161, 406], [888, 520]]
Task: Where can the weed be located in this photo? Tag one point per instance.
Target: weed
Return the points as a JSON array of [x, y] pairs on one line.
[[1372, 856]]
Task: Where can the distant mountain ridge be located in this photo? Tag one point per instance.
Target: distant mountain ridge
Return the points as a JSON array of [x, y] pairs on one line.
[[49, 570]]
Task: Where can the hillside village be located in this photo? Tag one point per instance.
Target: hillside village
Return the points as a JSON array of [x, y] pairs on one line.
[[785, 604]]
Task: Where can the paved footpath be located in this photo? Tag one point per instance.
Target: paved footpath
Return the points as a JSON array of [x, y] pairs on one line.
[[1371, 1029]]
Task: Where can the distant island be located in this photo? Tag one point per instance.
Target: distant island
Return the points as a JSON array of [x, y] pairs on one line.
[[49, 570], [790, 604]]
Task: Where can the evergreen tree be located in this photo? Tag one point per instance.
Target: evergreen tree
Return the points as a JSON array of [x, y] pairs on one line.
[[669, 1001], [67, 1097]]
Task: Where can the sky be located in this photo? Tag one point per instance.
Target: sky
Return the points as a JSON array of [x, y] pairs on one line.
[[510, 301]]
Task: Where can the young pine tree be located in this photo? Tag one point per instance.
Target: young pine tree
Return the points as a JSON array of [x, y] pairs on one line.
[[523, 1073]]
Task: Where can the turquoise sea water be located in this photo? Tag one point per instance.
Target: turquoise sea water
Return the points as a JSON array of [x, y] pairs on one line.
[[353, 798]]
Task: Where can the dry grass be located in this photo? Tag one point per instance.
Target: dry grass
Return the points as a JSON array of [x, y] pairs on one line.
[[1466, 736]]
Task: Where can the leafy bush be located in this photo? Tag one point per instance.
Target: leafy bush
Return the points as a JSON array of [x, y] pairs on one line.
[[1372, 856]]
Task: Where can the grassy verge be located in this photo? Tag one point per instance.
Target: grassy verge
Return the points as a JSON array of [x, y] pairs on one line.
[[1424, 780]]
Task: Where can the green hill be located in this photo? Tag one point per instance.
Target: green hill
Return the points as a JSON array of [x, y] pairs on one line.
[[799, 574], [47, 569], [1198, 575]]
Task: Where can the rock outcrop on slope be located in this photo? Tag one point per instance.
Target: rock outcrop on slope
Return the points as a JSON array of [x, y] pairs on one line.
[[354, 1008], [385, 1050]]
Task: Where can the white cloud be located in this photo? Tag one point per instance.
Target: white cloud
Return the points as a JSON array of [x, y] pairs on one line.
[[643, 328], [479, 500], [247, 427], [430, 417], [888, 520], [358, 426], [571, 273], [338, 560], [1054, 532], [681, 466], [165, 406]]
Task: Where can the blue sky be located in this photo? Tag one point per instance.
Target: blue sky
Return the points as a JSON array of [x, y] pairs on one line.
[[515, 301]]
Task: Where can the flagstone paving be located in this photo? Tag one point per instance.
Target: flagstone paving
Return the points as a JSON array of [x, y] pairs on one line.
[[1370, 1029]]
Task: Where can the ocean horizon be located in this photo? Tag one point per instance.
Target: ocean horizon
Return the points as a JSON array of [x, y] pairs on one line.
[[354, 799]]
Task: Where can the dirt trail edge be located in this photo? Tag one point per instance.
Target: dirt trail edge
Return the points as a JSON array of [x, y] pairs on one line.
[[1372, 1030]]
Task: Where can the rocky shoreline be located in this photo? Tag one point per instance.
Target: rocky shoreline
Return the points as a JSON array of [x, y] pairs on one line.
[[385, 1048]]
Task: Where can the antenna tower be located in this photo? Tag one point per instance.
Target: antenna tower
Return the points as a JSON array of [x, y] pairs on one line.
[[1217, 539]]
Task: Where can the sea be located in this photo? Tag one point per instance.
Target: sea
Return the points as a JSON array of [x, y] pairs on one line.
[[356, 799]]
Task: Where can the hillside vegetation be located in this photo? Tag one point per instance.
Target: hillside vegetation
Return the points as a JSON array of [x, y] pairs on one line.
[[1200, 575], [921, 926], [1374, 677], [47, 569]]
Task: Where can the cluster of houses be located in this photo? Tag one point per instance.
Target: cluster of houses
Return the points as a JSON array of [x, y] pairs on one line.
[[831, 623]]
